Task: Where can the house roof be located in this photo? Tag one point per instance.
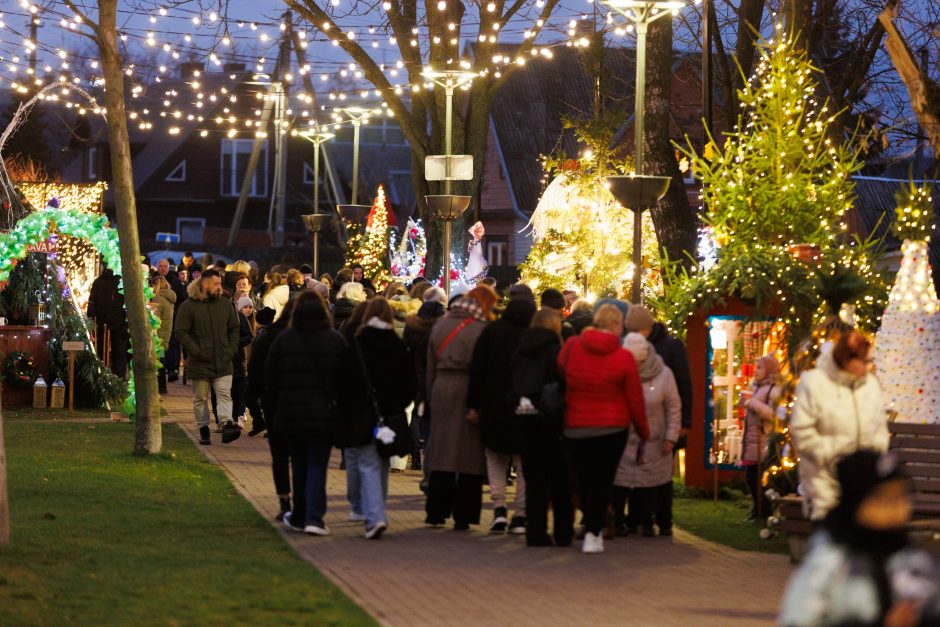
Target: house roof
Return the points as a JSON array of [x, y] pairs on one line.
[[875, 206]]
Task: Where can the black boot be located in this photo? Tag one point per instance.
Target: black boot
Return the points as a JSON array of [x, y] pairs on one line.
[[416, 461], [204, 436], [285, 507]]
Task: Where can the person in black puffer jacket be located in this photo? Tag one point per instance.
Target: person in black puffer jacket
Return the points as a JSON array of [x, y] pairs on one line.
[[301, 385], [488, 397], [580, 318], [544, 461], [417, 331], [259, 404], [377, 348]]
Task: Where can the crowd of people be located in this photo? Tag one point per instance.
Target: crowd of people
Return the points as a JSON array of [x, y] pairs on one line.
[[581, 405], [578, 405]]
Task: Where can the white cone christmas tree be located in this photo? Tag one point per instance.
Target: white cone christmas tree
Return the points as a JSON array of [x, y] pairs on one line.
[[907, 351]]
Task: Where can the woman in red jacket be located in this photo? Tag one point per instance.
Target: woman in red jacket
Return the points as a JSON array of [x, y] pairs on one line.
[[603, 397]]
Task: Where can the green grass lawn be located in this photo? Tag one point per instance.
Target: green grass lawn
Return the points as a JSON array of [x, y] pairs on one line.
[[723, 522], [102, 537]]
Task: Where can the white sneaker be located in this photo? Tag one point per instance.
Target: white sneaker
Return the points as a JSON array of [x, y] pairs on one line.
[[375, 531], [354, 517], [593, 543], [316, 530]]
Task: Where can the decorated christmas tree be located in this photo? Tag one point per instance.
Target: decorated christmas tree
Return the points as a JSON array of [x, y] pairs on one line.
[[777, 190], [907, 351], [373, 255]]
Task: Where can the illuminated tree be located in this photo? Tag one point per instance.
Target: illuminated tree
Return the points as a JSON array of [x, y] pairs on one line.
[[907, 352], [373, 255]]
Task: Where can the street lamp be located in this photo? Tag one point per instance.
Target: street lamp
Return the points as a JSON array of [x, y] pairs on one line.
[[635, 193], [448, 207], [316, 221], [356, 115]]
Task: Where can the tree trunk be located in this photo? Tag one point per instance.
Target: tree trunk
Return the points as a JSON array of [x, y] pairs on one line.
[[148, 438], [674, 219], [4, 495]]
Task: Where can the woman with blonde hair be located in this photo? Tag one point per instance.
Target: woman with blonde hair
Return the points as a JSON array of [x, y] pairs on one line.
[[275, 294], [603, 399]]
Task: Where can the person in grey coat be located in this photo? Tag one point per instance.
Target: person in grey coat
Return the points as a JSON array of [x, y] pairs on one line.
[[646, 466], [454, 457]]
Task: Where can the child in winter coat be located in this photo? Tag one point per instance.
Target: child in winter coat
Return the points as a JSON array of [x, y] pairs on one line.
[[760, 401]]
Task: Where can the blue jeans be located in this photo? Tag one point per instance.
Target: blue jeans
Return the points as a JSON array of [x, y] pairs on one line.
[[367, 482], [309, 459]]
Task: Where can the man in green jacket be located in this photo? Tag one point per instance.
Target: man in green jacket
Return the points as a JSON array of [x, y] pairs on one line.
[[207, 329]]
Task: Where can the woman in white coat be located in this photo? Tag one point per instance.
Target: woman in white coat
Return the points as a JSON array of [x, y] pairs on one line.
[[839, 410], [646, 466]]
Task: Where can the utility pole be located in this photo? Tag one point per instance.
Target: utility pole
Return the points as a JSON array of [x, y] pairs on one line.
[[281, 87], [33, 34]]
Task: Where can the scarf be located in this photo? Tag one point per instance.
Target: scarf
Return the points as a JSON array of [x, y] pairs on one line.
[[470, 307]]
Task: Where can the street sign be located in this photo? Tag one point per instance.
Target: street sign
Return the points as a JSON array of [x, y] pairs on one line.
[[42, 247], [169, 238], [461, 167]]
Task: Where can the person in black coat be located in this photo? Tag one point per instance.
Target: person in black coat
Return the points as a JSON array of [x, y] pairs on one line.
[[377, 350], [676, 357], [106, 308], [239, 373], [544, 460], [417, 331], [259, 407], [488, 398], [301, 389]]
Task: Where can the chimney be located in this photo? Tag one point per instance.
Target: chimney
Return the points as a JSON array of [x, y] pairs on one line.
[[189, 69]]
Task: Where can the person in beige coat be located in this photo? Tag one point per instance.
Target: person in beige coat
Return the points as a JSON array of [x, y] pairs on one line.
[[647, 466], [839, 410], [454, 456]]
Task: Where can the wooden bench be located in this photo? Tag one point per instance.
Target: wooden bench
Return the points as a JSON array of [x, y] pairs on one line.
[[918, 450]]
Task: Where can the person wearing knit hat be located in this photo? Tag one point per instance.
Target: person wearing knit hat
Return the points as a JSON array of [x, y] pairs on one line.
[[619, 304], [645, 467], [862, 569], [435, 293], [638, 319], [760, 404], [553, 299], [521, 291]]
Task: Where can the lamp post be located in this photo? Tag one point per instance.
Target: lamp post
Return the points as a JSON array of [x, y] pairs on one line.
[[638, 194], [448, 207], [316, 221], [353, 212]]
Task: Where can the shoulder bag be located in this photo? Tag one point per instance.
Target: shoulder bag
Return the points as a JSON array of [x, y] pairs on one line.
[[552, 400], [401, 445]]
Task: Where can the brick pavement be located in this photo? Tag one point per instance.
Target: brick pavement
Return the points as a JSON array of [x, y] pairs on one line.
[[418, 575]]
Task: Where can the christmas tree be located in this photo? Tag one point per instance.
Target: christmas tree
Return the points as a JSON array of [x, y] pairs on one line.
[[907, 351], [373, 255], [777, 191]]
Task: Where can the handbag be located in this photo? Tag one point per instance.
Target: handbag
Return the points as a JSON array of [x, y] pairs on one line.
[[398, 423], [552, 399]]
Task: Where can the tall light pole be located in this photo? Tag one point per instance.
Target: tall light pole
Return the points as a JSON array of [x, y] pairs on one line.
[[316, 221], [353, 212], [644, 191], [448, 207]]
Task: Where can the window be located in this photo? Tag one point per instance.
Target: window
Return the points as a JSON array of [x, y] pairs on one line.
[[191, 230], [497, 252], [235, 155], [309, 178], [178, 175], [93, 162]]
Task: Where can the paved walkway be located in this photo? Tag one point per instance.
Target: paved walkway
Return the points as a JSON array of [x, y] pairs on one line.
[[418, 575]]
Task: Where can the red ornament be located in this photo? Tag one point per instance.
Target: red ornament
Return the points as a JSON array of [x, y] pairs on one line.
[[920, 390]]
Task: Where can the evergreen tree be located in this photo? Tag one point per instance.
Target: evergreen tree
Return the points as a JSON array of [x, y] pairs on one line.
[[374, 252], [29, 139]]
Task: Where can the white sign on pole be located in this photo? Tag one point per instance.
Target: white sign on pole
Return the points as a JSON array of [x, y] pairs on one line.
[[461, 167]]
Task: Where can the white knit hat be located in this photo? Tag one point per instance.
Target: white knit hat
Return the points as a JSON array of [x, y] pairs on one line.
[[638, 346], [243, 302]]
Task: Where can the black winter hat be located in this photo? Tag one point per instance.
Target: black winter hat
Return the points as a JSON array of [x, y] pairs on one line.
[[521, 291], [265, 316], [431, 310], [553, 299], [306, 269], [863, 471]]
